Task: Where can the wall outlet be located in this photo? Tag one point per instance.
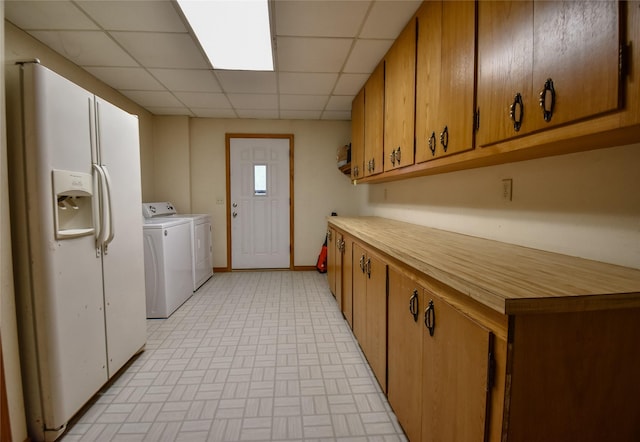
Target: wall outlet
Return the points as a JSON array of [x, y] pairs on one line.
[[507, 189]]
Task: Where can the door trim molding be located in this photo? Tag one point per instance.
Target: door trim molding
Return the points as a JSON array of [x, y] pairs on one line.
[[228, 137]]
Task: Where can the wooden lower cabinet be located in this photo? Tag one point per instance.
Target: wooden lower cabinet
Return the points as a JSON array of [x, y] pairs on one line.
[[456, 363], [577, 373], [404, 385], [331, 260], [370, 309], [347, 280], [440, 365], [556, 360]]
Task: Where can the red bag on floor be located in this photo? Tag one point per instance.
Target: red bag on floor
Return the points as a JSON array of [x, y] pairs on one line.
[[321, 265]]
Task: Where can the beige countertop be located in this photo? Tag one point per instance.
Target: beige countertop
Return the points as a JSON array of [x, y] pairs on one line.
[[507, 278]]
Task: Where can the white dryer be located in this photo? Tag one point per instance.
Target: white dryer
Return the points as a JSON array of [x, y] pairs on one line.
[[168, 267], [201, 238]]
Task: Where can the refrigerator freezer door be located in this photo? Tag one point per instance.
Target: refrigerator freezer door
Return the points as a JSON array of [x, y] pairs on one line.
[[123, 259], [59, 292]]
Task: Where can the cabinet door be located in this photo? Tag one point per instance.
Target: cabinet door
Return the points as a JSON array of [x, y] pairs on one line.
[[428, 79], [373, 122], [399, 102], [331, 260], [376, 317], [457, 77], [576, 45], [359, 296], [347, 281], [338, 268], [505, 48], [455, 366], [404, 355], [445, 73], [527, 48], [357, 136]]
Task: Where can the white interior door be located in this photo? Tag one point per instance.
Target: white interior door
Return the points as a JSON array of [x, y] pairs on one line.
[[260, 203]]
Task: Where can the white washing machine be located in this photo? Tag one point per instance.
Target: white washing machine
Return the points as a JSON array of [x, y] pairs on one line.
[[201, 238], [168, 267]]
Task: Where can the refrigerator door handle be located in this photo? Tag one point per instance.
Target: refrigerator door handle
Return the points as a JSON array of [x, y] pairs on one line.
[[109, 238], [101, 232]]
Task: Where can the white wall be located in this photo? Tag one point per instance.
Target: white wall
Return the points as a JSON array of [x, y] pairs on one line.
[[319, 188], [585, 204]]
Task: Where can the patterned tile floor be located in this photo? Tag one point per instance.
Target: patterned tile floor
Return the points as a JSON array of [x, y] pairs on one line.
[[252, 356]]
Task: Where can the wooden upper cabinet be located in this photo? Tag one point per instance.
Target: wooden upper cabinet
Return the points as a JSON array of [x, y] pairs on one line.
[[445, 78], [357, 136], [562, 55], [505, 48], [374, 122], [576, 47], [399, 100]]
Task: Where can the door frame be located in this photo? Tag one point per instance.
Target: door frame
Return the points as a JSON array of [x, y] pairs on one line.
[[228, 138]]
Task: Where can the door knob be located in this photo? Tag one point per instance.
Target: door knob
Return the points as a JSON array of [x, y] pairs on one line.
[[235, 214]]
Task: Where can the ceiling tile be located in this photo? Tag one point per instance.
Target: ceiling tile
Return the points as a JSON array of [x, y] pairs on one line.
[[203, 100], [85, 48], [127, 78], [300, 115], [257, 113], [303, 102], [388, 18], [350, 84], [150, 16], [366, 55], [340, 103], [247, 82], [43, 15], [336, 115], [169, 110], [312, 54], [214, 113], [254, 101], [187, 80], [160, 50], [309, 84], [319, 18], [153, 98]]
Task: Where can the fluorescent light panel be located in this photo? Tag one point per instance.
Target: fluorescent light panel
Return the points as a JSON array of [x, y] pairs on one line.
[[235, 34]]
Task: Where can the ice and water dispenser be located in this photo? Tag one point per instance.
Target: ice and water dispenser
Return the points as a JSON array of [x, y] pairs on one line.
[[73, 193]]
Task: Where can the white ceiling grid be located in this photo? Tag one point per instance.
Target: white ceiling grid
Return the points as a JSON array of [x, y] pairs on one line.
[[324, 52]]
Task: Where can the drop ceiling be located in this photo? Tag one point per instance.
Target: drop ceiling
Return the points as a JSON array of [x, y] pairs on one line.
[[323, 50]]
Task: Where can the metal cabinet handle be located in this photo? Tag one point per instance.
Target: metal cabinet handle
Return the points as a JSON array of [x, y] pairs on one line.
[[413, 305], [369, 268], [444, 138], [432, 143], [516, 112], [373, 165], [398, 155], [392, 157], [548, 100], [430, 318], [362, 263]]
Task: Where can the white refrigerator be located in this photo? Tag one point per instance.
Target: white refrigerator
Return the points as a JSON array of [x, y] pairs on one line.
[[77, 242]]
